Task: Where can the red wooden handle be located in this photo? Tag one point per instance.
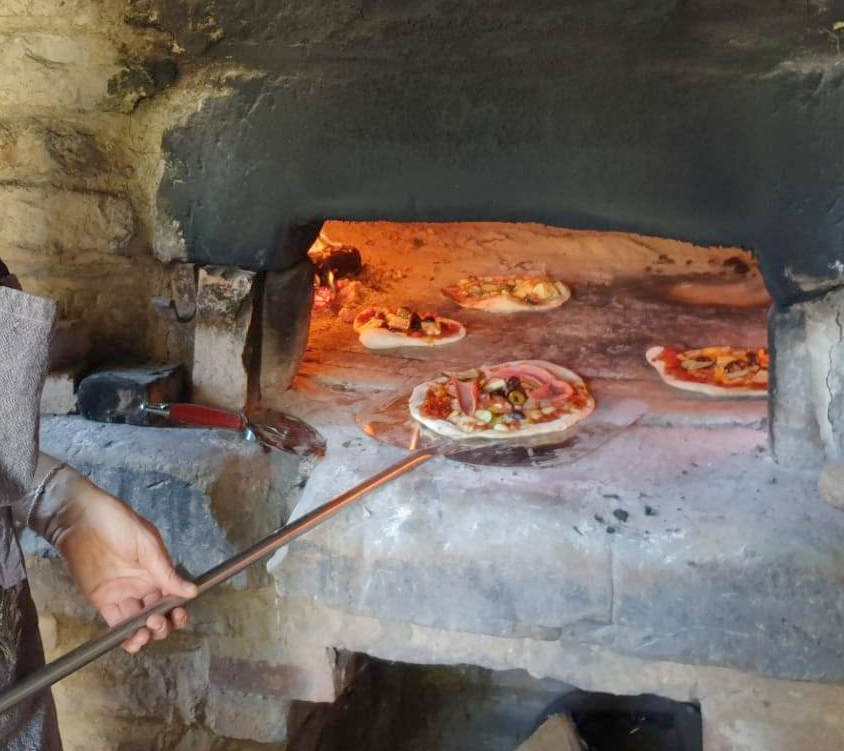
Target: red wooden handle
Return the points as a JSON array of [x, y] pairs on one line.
[[206, 417]]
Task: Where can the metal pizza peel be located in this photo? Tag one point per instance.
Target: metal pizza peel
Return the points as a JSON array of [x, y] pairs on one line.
[[390, 423]]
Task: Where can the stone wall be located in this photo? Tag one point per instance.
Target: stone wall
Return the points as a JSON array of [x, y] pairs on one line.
[[85, 97]]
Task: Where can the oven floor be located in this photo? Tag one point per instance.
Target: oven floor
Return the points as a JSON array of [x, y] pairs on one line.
[[629, 293]]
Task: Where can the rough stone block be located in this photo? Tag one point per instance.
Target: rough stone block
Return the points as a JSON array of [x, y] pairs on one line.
[[288, 297], [23, 153], [167, 682], [194, 485], [63, 221], [116, 394], [52, 71], [483, 563], [247, 716], [75, 152], [70, 345], [44, 150], [807, 381], [831, 485], [59, 394], [79, 11], [222, 345], [557, 733]]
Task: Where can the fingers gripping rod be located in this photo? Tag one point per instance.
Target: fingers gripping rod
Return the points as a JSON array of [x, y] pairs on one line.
[[86, 653]]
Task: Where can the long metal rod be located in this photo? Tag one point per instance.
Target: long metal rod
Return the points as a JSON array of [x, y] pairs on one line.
[[97, 647]]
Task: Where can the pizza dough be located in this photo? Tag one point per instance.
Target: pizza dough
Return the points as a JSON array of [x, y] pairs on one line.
[[654, 357], [576, 408], [375, 331], [508, 294]]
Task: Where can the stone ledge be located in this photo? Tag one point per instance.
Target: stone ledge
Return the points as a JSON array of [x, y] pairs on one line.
[[210, 493], [670, 543]]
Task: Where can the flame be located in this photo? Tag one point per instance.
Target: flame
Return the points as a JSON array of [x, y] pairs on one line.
[[329, 278]]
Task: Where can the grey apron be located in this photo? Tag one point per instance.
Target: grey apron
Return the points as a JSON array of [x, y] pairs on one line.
[[26, 325]]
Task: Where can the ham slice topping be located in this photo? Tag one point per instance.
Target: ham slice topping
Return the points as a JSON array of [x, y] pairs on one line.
[[467, 393], [550, 386]]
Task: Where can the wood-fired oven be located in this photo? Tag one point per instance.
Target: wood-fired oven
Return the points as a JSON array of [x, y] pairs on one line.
[[677, 163]]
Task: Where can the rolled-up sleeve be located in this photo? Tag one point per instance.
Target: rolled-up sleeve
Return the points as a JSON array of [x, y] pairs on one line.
[[26, 326]]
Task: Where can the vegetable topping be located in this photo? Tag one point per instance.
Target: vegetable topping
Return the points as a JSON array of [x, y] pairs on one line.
[[503, 397]]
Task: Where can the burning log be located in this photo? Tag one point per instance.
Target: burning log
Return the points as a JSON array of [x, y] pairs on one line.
[[335, 262]]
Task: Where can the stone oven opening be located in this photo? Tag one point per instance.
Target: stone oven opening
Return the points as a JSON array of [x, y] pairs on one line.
[[629, 293]]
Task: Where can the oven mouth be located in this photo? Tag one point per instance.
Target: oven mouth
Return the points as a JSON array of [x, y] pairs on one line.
[[629, 293]]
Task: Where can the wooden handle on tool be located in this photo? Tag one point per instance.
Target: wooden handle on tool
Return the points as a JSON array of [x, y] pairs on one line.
[[200, 416]]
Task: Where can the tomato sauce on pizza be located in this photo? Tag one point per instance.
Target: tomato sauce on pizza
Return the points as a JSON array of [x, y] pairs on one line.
[[721, 368]]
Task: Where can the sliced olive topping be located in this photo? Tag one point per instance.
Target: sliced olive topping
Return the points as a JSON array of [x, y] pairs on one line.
[[513, 383], [415, 322], [517, 397]]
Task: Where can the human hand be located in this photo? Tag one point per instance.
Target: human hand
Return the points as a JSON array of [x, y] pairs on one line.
[[118, 560]]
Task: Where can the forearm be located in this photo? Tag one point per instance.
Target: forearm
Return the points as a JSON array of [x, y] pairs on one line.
[[47, 507]]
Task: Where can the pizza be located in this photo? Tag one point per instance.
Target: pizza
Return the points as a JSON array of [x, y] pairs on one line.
[[504, 401], [380, 328], [508, 294], [714, 371]]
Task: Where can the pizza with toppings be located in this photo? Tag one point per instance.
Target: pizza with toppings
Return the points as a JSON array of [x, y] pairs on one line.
[[714, 371], [508, 294], [380, 328], [504, 401]]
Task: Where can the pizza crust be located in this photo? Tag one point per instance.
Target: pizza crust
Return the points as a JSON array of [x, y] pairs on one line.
[[707, 389], [450, 430], [380, 338]]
